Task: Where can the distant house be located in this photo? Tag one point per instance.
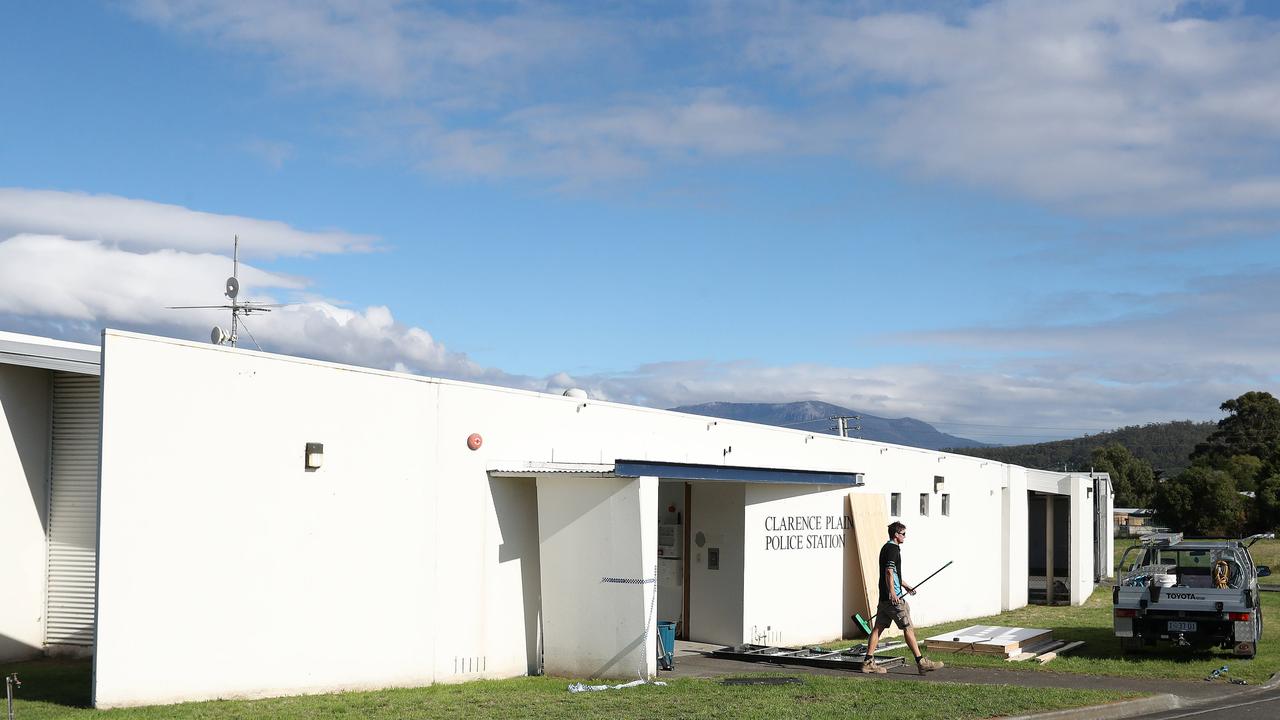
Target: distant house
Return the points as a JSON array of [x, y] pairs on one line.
[[1132, 522]]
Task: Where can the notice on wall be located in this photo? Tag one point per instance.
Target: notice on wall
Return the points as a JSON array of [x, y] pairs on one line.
[[805, 532]]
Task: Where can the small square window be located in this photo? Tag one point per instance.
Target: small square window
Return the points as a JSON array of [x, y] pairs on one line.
[[895, 504], [924, 504], [946, 503]]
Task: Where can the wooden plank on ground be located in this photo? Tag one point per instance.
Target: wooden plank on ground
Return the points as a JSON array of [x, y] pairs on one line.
[[1034, 650], [1047, 657]]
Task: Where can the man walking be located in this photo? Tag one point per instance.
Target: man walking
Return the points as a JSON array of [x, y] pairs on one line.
[[892, 606]]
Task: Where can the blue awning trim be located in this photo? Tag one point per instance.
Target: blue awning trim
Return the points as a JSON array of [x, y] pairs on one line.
[[730, 473]]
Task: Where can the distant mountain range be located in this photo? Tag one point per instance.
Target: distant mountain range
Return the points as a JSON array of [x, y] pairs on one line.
[[816, 417]]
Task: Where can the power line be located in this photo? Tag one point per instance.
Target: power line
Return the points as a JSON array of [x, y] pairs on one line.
[[1017, 427]]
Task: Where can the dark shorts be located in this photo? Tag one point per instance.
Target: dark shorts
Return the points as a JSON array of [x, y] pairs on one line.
[[887, 612]]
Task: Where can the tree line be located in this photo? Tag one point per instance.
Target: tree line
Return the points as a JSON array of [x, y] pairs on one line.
[[1232, 485], [1211, 479], [1165, 446]]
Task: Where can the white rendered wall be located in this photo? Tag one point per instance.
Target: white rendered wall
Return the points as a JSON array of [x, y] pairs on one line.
[[797, 540], [971, 536], [1108, 532], [226, 570], [598, 553], [716, 596], [1081, 538], [24, 478], [1015, 576]]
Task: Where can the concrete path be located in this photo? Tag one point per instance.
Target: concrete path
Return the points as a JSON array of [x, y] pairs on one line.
[[693, 660]]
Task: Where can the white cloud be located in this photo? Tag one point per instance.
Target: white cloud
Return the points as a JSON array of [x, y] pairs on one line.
[[1121, 107], [73, 288], [51, 276], [618, 141], [1212, 340], [145, 225], [1174, 355], [383, 47], [1095, 106], [454, 87], [272, 152]]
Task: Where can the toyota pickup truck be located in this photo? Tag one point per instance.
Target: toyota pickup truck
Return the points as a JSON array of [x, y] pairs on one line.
[[1191, 593]]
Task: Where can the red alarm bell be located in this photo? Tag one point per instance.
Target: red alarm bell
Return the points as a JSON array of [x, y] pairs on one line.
[[474, 441]]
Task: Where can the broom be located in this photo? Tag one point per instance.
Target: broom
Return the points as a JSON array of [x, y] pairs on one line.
[[866, 624]]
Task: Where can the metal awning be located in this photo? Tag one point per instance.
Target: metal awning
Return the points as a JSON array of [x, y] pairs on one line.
[[525, 469], [680, 471], [49, 354]]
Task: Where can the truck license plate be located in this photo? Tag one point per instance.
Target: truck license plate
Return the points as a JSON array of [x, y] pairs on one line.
[[1181, 626]]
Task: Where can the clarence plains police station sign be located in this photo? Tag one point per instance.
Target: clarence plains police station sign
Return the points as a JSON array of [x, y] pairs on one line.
[[805, 532]]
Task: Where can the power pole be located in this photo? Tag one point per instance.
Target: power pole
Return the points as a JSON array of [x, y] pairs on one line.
[[842, 424]]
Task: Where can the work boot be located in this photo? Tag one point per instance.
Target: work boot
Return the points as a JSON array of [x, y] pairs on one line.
[[869, 666], [926, 665]]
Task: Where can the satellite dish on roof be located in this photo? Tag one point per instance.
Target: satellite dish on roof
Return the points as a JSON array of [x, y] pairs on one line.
[[576, 393], [238, 308]]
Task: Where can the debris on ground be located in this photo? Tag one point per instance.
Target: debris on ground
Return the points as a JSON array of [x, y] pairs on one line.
[[582, 687], [1047, 656], [1216, 673], [1037, 650], [861, 648], [762, 681]]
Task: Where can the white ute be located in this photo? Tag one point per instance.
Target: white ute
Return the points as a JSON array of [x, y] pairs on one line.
[[1192, 593]]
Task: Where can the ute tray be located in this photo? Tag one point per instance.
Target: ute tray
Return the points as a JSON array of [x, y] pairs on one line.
[[850, 659]]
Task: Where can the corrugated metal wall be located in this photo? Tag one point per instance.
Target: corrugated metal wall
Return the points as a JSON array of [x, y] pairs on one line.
[[73, 510]]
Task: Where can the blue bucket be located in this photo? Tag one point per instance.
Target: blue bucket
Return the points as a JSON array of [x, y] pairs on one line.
[[667, 638]]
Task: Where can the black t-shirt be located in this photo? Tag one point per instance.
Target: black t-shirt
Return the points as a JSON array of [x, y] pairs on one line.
[[891, 557]]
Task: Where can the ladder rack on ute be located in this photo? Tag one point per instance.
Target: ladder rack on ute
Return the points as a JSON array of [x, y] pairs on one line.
[[1249, 541], [1161, 539]]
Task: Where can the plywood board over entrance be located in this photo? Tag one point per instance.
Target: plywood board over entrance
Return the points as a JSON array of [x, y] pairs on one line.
[[870, 518], [988, 639]]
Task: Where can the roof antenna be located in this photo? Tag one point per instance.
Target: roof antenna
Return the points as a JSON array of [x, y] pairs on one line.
[[231, 289]]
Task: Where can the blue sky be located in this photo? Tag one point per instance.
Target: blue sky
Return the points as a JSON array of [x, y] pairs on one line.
[[1015, 220]]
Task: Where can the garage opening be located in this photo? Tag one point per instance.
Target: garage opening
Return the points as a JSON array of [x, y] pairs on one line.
[[1048, 549]]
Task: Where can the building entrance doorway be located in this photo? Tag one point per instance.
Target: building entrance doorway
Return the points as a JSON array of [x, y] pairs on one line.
[[1048, 549]]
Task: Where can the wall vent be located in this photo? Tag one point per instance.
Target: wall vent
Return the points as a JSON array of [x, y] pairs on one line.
[[463, 664]]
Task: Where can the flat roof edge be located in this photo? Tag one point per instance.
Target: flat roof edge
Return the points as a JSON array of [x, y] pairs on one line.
[[31, 351]]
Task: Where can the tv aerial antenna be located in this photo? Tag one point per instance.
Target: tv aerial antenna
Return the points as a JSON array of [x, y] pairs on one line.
[[238, 307]]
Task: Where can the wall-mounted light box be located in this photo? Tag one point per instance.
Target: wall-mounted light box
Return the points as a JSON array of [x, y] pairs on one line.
[[313, 456]]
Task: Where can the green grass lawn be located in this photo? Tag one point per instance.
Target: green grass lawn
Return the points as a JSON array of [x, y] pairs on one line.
[[1100, 655], [60, 689]]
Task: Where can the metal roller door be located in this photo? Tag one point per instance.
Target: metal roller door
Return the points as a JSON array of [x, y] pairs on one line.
[[73, 510]]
